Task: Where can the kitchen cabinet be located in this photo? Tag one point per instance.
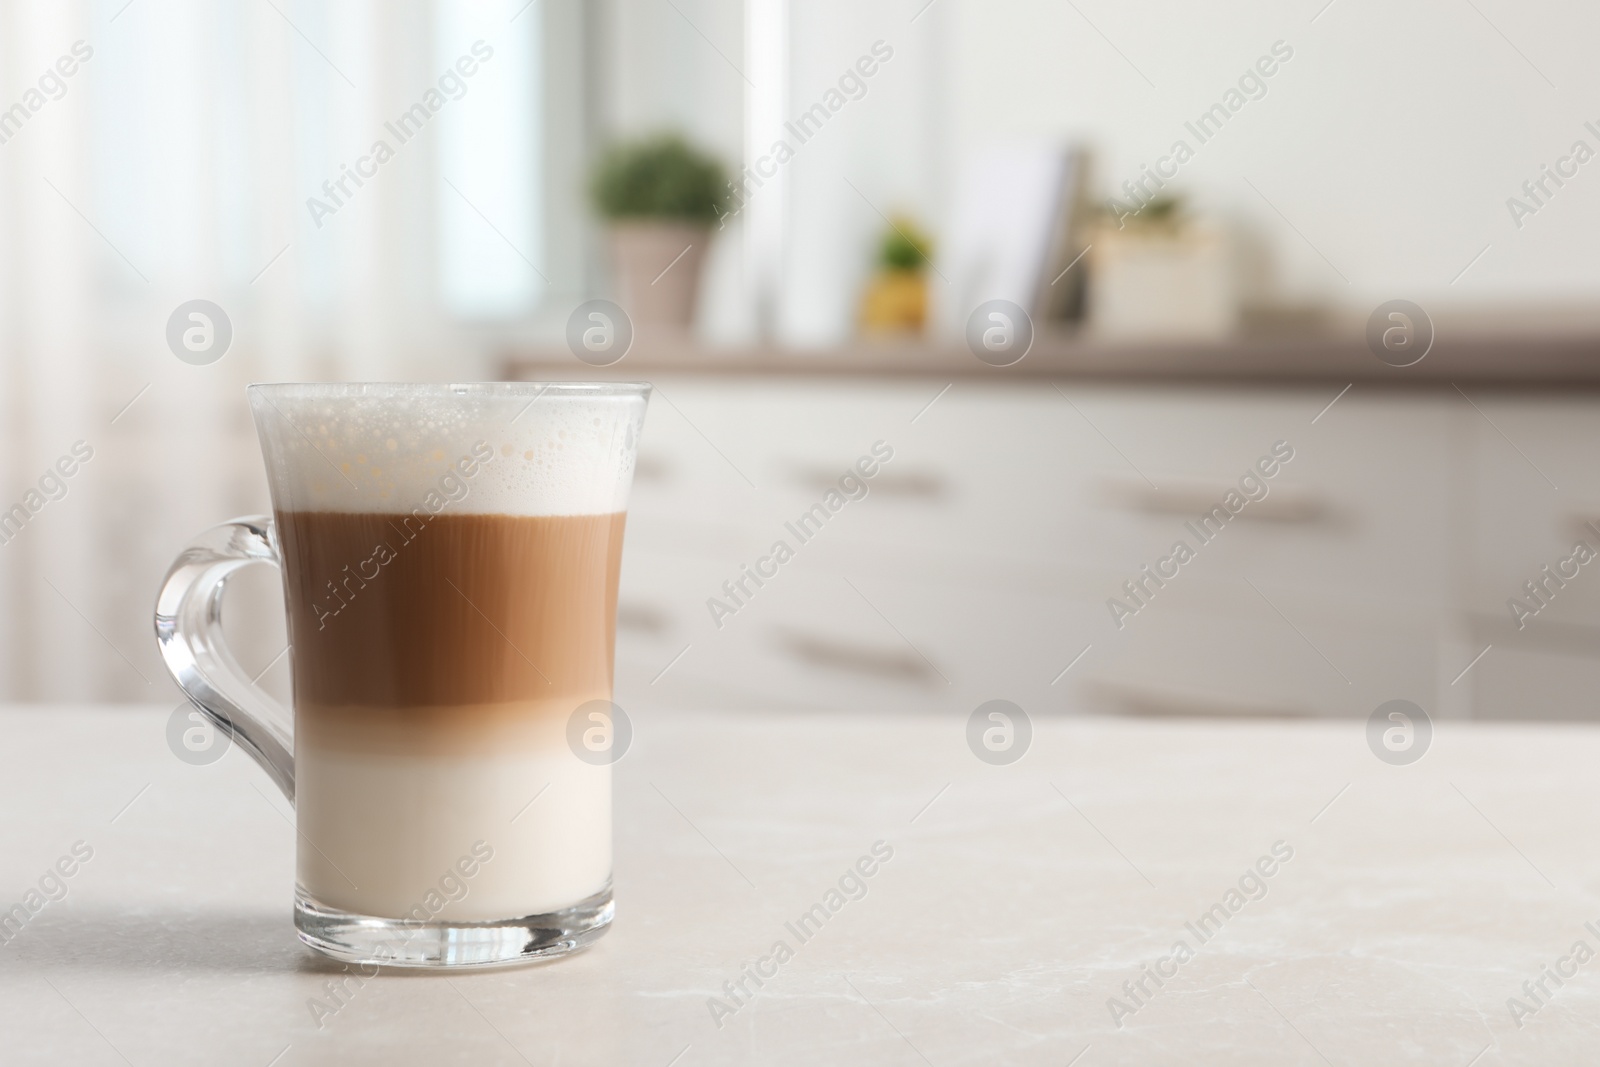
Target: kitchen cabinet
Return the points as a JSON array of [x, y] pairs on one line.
[[981, 559]]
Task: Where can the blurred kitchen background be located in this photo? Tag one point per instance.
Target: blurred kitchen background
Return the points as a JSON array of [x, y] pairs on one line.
[[1189, 309]]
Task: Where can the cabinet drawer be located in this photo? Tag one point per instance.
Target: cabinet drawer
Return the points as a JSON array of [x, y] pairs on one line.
[[1237, 655], [1359, 518], [1521, 521]]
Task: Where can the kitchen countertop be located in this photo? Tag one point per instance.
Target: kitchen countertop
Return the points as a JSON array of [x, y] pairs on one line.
[[1018, 900], [1459, 353]]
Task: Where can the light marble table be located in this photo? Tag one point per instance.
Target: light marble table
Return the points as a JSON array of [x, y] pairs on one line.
[[1018, 902]]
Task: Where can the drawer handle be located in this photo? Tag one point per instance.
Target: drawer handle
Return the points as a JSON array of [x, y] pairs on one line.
[[642, 618], [1150, 702], [1583, 525], [914, 484], [649, 469], [893, 664], [1196, 498]]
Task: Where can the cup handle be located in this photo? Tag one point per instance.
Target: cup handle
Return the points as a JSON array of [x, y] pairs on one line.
[[189, 630]]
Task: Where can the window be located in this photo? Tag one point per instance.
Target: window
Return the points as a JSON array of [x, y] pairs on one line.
[[490, 226]]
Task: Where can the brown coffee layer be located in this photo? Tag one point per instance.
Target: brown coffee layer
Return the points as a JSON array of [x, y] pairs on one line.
[[391, 612]]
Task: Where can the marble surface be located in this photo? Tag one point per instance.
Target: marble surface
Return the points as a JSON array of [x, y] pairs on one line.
[[1018, 901]]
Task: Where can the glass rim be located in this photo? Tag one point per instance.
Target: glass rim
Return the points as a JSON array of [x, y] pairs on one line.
[[444, 391]]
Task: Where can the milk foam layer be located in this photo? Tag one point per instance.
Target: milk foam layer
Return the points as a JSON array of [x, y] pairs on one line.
[[561, 449]]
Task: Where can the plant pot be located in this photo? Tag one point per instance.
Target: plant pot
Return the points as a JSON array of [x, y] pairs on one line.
[[896, 302], [658, 272], [1157, 284]]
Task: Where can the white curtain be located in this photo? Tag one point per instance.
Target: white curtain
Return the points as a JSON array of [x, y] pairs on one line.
[[174, 163]]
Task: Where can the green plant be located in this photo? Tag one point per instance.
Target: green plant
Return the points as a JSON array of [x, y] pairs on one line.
[[659, 177], [1163, 210], [1166, 212], [904, 246]]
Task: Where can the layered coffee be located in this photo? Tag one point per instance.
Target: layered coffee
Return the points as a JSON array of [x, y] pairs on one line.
[[449, 609]]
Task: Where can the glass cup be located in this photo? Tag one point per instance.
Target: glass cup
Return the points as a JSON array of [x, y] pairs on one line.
[[450, 558]]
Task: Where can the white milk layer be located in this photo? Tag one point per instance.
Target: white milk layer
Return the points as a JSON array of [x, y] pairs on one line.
[[395, 836], [487, 450]]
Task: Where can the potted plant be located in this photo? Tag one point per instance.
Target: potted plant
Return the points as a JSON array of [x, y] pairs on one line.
[[1161, 275], [660, 196], [896, 300]]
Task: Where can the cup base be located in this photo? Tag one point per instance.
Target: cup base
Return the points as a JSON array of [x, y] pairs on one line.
[[367, 940]]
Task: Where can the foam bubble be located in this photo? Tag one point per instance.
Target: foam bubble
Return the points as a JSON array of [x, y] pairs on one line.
[[564, 449]]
